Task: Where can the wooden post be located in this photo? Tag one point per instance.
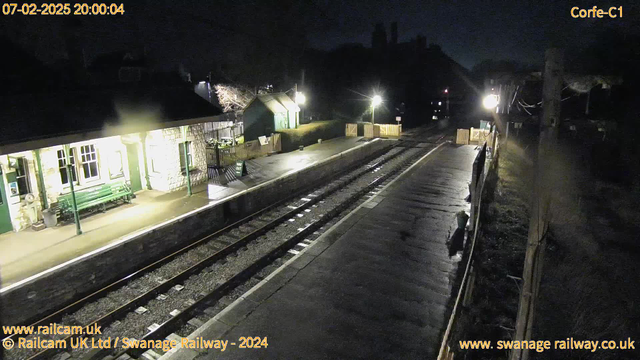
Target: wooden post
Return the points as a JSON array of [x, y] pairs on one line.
[[373, 114], [506, 137], [472, 194], [538, 222], [586, 109], [217, 152]]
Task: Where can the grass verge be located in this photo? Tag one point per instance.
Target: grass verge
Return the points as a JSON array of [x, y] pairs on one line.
[[500, 256]]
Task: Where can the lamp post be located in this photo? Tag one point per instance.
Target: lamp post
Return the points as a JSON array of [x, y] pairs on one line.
[[300, 100], [375, 101], [74, 203], [446, 91], [186, 158]]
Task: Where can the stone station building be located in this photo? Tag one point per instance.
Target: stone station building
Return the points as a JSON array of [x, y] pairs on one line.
[[136, 137]]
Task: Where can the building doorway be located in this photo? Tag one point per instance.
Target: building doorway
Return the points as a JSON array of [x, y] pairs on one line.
[[5, 217], [134, 167]]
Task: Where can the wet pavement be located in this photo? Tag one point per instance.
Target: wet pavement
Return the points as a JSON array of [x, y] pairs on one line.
[[378, 285]]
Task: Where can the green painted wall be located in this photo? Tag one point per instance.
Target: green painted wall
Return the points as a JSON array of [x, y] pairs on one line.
[[5, 218], [258, 121]]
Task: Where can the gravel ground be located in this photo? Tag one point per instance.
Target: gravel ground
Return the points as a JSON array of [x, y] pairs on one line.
[[136, 325]]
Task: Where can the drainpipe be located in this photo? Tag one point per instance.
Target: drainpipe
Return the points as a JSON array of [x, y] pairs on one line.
[[143, 140], [186, 158], [76, 217], [43, 191]]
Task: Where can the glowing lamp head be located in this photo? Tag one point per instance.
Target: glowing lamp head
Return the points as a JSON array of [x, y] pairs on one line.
[[490, 102], [446, 91], [376, 100], [300, 98]]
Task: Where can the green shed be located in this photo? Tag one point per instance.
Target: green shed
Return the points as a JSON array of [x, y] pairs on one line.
[[269, 113]]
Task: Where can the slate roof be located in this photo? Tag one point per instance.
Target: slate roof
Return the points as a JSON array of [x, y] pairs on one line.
[[276, 103], [48, 115]]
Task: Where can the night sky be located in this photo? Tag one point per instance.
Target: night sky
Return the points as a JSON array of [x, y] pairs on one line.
[[471, 31], [195, 32]]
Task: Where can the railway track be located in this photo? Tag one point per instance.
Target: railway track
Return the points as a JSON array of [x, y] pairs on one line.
[[168, 295]]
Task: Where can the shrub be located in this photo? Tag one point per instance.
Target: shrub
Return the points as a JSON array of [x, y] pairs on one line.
[[309, 134]]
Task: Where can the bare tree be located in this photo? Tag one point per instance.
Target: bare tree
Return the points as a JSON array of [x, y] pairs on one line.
[[233, 98], [236, 97]]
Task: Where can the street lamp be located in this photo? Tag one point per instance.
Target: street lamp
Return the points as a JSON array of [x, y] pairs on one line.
[[300, 99], [446, 91], [490, 102], [375, 101]]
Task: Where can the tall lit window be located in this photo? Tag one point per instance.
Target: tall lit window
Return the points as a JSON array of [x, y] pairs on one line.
[[22, 176], [116, 169], [182, 162], [89, 159], [154, 151], [62, 165]]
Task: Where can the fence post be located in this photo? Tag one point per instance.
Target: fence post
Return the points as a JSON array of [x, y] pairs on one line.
[[472, 193], [539, 213], [217, 150], [506, 139]]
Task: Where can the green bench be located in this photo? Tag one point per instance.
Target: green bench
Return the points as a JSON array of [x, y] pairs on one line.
[[93, 197]]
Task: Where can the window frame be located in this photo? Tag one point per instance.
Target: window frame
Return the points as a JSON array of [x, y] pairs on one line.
[[22, 162], [153, 153], [117, 175], [86, 159], [74, 166]]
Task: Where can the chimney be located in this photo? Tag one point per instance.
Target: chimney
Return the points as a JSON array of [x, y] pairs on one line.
[[379, 37]]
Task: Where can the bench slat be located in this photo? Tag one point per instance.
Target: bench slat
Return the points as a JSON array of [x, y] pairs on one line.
[[91, 197]]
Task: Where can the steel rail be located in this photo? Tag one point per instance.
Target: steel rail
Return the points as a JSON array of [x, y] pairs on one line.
[[181, 318], [109, 318], [76, 304]]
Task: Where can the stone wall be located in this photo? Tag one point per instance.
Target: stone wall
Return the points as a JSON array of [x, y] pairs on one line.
[[163, 153], [162, 150], [23, 214], [108, 149], [52, 289]]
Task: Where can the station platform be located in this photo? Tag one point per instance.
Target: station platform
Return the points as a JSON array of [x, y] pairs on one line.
[[26, 253], [379, 284]]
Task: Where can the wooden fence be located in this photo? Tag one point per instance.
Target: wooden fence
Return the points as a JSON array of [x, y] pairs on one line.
[[351, 130], [485, 161], [479, 136], [474, 136], [462, 137], [371, 131], [390, 130], [248, 150], [382, 130]]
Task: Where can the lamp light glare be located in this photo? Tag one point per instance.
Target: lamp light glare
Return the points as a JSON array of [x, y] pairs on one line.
[[376, 100], [300, 98], [490, 101]]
